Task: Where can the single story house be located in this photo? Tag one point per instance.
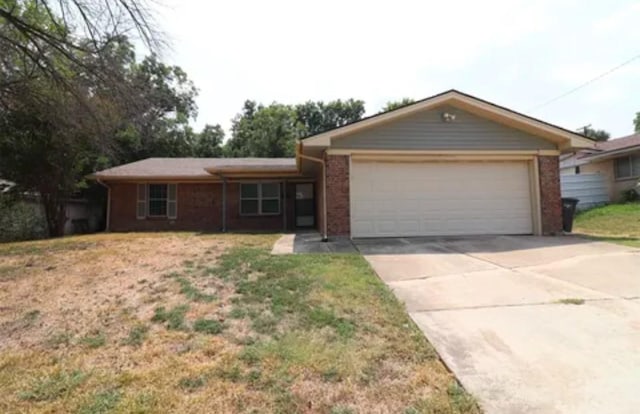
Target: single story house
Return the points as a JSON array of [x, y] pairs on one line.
[[451, 164], [616, 162]]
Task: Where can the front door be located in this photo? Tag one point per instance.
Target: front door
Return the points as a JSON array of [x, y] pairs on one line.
[[305, 205]]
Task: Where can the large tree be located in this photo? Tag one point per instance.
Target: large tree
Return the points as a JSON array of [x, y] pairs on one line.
[[59, 126], [636, 122], [157, 123], [208, 143], [264, 131], [45, 32], [319, 116]]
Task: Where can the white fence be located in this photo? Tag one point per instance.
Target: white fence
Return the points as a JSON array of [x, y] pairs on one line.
[[590, 189]]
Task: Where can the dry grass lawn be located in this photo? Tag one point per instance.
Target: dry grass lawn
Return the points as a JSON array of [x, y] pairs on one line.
[[188, 323]]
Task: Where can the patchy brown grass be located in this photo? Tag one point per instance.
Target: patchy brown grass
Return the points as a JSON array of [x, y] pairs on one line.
[[180, 322]]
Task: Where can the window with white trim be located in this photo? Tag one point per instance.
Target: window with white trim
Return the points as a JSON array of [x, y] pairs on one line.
[[627, 167], [259, 199]]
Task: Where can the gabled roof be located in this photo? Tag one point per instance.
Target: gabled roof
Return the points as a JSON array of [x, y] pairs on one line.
[[195, 168], [561, 136]]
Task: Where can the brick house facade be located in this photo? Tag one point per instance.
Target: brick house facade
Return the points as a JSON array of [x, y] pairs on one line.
[[451, 164]]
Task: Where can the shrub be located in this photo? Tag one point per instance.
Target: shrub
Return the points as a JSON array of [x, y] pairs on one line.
[[631, 195], [21, 220]]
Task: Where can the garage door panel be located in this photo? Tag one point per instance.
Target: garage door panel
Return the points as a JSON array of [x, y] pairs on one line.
[[452, 198]]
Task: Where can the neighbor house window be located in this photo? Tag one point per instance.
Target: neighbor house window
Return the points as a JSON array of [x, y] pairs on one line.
[[627, 167], [157, 200], [260, 199]]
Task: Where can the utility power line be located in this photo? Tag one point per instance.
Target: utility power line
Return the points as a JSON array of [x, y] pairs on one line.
[[587, 83]]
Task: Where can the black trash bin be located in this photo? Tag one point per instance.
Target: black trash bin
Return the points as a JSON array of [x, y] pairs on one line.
[[568, 211]]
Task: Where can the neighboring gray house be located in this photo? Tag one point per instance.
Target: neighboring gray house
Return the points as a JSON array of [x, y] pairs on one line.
[[603, 173]]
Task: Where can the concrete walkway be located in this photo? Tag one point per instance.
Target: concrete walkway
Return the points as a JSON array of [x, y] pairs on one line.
[[311, 242], [493, 308]]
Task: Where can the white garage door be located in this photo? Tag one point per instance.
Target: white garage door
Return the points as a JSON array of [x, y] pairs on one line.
[[440, 198]]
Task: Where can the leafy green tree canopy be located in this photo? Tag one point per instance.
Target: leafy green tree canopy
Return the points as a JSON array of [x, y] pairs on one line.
[[391, 105], [208, 143], [271, 131], [59, 126], [597, 134]]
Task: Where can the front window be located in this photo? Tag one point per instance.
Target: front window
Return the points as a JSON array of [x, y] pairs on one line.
[[158, 200], [627, 167], [260, 199]]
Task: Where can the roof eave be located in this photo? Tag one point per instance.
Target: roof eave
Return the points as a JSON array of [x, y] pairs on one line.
[[102, 177], [606, 155], [227, 171]]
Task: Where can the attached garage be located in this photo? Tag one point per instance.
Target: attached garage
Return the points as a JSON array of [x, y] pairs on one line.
[[449, 165], [440, 198]]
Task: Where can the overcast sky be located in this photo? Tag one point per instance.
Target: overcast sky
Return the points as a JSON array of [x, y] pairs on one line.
[[515, 53]]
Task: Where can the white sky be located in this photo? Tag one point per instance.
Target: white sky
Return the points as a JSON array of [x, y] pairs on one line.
[[514, 53]]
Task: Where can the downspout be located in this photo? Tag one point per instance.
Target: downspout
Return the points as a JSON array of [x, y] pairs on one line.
[[224, 203], [284, 215], [325, 238], [108, 223]]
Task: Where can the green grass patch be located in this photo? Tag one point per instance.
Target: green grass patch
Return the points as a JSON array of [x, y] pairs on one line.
[[101, 402], [192, 292], [319, 317], [237, 313], [461, 400], [137, 335], [342, 410], [617, 223], [191, 384], [208, 326], [59, 339], [173, 318], [28, 319], [94, 340], [9, 272], [53, 386]]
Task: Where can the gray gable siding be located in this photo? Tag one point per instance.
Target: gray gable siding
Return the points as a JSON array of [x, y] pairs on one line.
[[427, 131]]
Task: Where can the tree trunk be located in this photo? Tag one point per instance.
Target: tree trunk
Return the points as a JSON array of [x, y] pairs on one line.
[[55, 214]]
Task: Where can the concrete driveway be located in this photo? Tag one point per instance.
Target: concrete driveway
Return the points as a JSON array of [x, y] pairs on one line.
[[493, 308]]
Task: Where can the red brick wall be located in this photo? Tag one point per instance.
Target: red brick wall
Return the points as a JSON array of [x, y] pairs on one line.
[[199, 209], [338, 216], [550, 198]]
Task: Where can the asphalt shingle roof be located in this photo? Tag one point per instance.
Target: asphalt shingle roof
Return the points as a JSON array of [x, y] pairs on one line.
[[194, 167], [619, 143]]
